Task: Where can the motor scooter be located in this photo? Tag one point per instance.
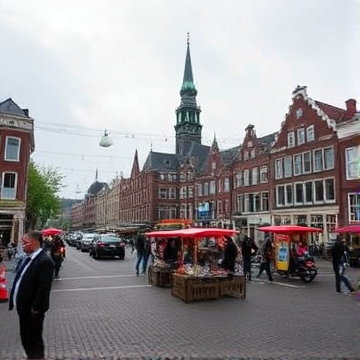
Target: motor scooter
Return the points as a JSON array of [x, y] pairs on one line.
[[301, 266]]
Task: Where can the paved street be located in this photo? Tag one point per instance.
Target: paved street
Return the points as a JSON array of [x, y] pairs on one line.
[[101, 310]]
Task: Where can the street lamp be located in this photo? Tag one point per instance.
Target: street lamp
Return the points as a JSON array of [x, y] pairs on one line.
[[105, 140]]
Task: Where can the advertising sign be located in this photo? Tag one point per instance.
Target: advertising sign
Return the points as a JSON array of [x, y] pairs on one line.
[[281, 252]]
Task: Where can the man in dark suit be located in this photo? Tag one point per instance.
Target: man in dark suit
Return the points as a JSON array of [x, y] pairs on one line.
[[30, 294]]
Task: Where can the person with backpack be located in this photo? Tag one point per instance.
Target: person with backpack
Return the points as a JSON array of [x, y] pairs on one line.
[[266, 256]]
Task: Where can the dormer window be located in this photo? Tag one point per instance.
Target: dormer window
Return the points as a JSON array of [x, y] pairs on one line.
[[299, 113]]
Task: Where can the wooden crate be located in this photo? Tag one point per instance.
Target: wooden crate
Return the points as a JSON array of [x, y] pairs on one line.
[[232, 286], [193, 288], [157, 277]]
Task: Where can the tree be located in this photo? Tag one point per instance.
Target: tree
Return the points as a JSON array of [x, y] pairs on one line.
[[42, 202]]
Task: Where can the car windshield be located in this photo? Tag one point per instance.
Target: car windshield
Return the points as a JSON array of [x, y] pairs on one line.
[[110, 239]]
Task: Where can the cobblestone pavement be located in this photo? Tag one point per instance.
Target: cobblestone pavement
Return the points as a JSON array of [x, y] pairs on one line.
[[101, 310]]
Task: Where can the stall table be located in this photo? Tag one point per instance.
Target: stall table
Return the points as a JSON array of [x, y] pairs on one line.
[[192, 288]]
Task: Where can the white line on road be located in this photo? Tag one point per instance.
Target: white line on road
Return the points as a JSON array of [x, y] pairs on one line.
[[102, 288], [280, 284], [96, 277]]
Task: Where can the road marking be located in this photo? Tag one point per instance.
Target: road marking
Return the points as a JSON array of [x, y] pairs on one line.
[[280, 284], [96, 277], [102, 288]]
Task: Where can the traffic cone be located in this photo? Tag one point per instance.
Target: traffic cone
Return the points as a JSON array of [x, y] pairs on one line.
[[4, 294]]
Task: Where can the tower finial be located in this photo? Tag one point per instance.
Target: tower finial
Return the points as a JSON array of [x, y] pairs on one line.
[[188, 38]]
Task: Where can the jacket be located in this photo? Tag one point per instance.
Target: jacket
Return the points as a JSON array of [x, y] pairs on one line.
[[35, 286]]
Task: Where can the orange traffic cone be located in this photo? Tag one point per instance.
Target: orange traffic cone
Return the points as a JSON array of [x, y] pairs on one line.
[[4, 295]]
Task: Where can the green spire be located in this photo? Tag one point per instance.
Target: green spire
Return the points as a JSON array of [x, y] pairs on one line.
[[188, 80]]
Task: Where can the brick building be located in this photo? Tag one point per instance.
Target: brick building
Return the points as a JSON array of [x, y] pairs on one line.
[[16, 145], [291, 176]]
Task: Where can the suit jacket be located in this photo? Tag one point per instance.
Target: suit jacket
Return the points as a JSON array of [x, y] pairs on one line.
[[35, 286]]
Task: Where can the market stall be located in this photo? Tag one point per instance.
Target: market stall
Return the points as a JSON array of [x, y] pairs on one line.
[[197, 276]]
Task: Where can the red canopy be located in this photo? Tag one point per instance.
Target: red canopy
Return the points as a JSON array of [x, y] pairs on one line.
[[289, 229], [355, 228], [51, 232], [191, 232]]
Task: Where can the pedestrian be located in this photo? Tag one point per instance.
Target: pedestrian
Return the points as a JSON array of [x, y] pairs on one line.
[[30, 293], [266, 256], [147, 253], [248, 248], [230, 254], [339, 254], [140, 249], [56, 253]]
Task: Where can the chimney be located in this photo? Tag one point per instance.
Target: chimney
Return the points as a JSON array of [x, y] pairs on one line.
[[351, 107]]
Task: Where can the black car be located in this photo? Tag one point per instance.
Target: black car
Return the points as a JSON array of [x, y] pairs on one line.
[[107, 245]]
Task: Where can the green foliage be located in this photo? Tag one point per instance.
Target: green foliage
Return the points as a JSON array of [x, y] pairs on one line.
[[42, 202]]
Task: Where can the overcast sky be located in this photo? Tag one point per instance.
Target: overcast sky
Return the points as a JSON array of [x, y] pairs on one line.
[[83, 66]]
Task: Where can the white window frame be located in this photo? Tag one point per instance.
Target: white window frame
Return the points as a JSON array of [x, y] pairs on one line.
[[226, 184], [277, 195], [246, 177], [352, 161], [289, 203], [279, 172], [312, 192], [264, 174], [287, 167], [315, 200], [310, 133], [295, 193], [325, 191], [4, 190], [252, 153], [310, 162], [316, 151], [172, 193], [254, 175], [7, 147], [246, 155], [163, 193], [300, 136], [212, 189], [291, 139], [331, 148], [265, 197], [299, 158], [353, 207]]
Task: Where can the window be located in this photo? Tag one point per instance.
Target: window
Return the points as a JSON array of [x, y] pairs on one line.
[[307, 162], [246, 177], [280, 195], [172, 193], [250, 144], [318, 160], [246, 155], [319, 190], [354, 207], [206, 188], [162, 193], [9, 184], [300, 136], [299, 194], [299, 113], [226, 184], [264, 174], [199, 186], [278, 168], [240, 204], [328, 158], [329, 190], [220, 187], [352, 161], [287, 167], [289, 194], [212, 187], [183, 192], [252, 153], [264, 201], [291, 139], [255, 175], [238, 181], [309, 192], [213, 165], [310, 134], [297, 165], [190, 192], [12, 149]]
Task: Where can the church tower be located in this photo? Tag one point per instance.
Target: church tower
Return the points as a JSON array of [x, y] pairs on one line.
[[188, 127]]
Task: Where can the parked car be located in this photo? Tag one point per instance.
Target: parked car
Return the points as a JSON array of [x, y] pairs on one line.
[[107, 245], [87, 239]]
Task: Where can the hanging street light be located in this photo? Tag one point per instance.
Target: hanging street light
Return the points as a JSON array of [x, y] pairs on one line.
[[105, 140]]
